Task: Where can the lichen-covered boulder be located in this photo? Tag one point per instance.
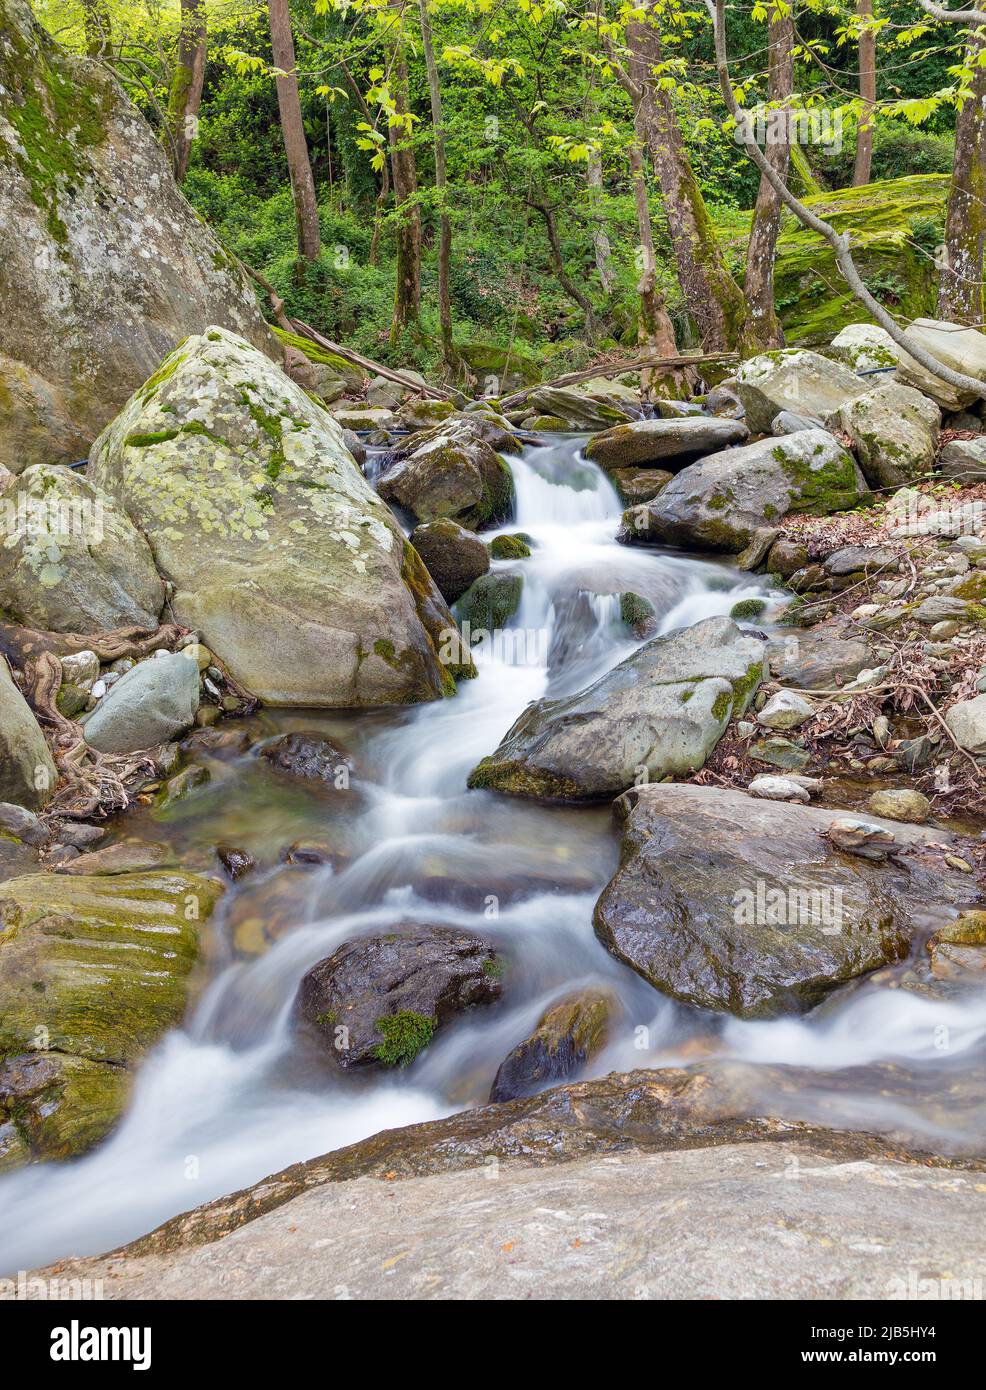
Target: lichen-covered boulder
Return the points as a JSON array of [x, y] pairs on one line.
[[453, 472], [719, 502], [962, 349], [105, 266], [866, 347], [283, 558], [793, 379], [378, 1000], [731, 903], [92, 971], [660, 711], [71, 560], [666, 442], [27, 772], [894, 430]]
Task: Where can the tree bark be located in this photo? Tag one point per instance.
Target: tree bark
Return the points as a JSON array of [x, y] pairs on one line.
[[293, 131], [407, 299], [654, 327], [715, 301], [961, 294], [867, 91], [540, 203], [451, 357], [185, 97], [758, 284]]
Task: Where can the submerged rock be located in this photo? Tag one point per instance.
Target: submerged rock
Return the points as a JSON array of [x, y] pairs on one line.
[[150, 704], [796, 380], [453, 556], [27, 771], [283, 558], [310, 756], [566, 1037], [378, 1000], [736, 904], [660, 711], [92, 971], [106, 267], [71, 560], [663, 441], [721, 501]]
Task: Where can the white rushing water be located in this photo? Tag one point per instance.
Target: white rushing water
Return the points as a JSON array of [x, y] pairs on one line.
[[234, 1095]]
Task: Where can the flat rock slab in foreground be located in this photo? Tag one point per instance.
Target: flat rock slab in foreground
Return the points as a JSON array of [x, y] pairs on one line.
[[764, 1221], [727, 902], [644, 1185]]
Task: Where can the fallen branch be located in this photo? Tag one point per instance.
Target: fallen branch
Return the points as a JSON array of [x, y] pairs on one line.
[[607, 369], [367, 363]]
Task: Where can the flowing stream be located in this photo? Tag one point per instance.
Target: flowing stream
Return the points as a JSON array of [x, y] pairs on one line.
[[236, 1093]]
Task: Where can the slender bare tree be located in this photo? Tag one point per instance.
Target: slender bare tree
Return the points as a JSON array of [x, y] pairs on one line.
[[185, 96], [961, 295], [761, 251], [867, 93], [293, 130]]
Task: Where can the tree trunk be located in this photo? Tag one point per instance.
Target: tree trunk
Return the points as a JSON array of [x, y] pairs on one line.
[[540, 203], [600, 241], [758, 284], [452, 359], [654, 327], [715, 301], [867, 92], [293, 130], [407, 300], [96, 18], [186, 85], [961, 294]]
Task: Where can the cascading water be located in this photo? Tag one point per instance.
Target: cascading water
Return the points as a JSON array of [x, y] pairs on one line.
[[236, 1094]]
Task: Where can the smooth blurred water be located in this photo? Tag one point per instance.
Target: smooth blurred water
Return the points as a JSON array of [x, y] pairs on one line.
[[236, 1094]]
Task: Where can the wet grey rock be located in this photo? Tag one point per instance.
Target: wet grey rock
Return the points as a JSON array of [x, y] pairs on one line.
[[668, 443], [566, 1036], [742, 905], [810, 660], [154, 702], [660, 711], [790, 422], [378, 1000], [719, 502]]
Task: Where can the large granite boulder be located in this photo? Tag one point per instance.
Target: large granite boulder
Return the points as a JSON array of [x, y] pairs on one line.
[[452, 471], [92, 971], [719, 502], [666, 442], [866, 347], [894, 430], [796, 380], [283, 558], [736, 904], [27, 772], [378, 1000], [962, 349], [660, 711], [105, 266], [71, 560]]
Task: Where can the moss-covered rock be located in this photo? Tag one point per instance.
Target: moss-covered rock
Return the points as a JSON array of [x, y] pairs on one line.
[[566, 1036], [492, 601], [92, 971], [452, 471], [283, 558], [510, 548], [106, 267]]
